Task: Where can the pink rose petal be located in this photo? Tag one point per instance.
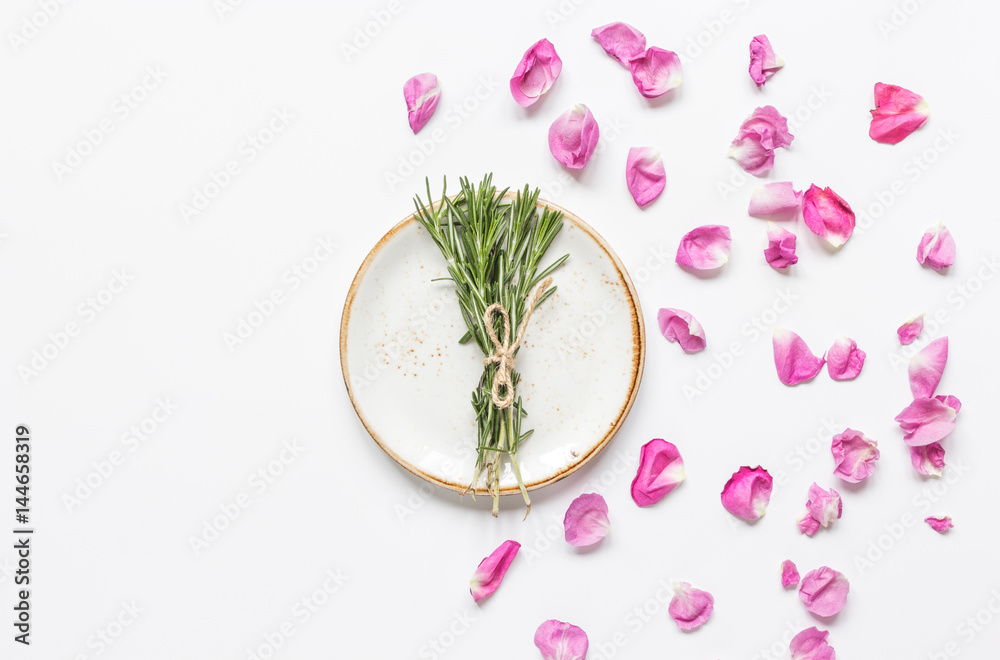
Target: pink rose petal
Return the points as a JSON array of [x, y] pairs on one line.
[[561, 641], [926, 368], [586, 520], [909, 331], [573, 137], [705, 247], [844, 360], [763, 62], [827, 215], [491, 570], [661, 469], [789, 574], [621, 41], [941, 524], [937, 248], [656, 72], [679, 326], [928, 420], [824, 591], [810, 644], [760, 134], [644, 174], [747, 493], [690, 607], [928, 460], [535, 73], [898, 112], [780, 250], [822, 508], [774, 197], [854, 456], [422, 93], [793, 359]]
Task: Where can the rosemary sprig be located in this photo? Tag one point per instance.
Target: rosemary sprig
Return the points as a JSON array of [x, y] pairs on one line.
[[494, 250]]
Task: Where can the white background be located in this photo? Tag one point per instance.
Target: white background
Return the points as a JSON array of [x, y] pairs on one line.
[[342, 505]]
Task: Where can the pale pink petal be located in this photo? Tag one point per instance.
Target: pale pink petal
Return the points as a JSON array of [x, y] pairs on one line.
[[793, 359], [644, 174], [422, 93], [928, 460], [940, 524], [586, 520], [747, 493], [844, 360], [928, 420], [573, 137], [763, 62], [926, 368], [937, 248], [748, 150], [656, 71], [620, 40], [827, 215], [822, 508], [679, 326], [535, 73], [807, 524], [780, 250], [774, 198], [810, 644], [760, 134], [561, 641], [909, 331], [854, 456], [824, 591], [898, 112], [491, 570], [705, 247], [661, 469], [690, 607], [950, 401], [789, 574]]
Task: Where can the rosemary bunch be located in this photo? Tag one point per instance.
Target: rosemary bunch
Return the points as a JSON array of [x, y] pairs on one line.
[[494, 248]]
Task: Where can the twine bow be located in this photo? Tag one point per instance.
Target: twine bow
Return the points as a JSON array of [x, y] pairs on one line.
[[503, 350]]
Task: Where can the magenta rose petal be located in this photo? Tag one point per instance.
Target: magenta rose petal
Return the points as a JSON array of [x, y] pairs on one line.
[[656, 72], [844, 360], [644, 174], [573, 137], [909, 331], [824, 591], [827, 215], [760, 134], [940, 524], [535, 74], [780, 250], [928, 420], [937, 248], [898, 112], [705, 248], [854, 455], [586, 520], [763, 62], [928, 460], [422, 93], [927, 367], [679, 326], [789, 574], [810, 644], [661, 469], [491, 570], [822, 508], [747, 493], [793, 359], [776, 197], [690, 608], [561, 641], [621, 41]]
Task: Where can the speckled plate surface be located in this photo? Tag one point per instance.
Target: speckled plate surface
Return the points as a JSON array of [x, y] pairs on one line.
[[411, 381]]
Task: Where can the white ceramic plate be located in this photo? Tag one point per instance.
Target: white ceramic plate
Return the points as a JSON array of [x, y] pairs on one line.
[[411, 381]]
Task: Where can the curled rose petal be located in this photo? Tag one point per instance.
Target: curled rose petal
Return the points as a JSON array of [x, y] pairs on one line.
[[824, 591], [844, 360], [573, 137], [747, 493], [789, 574], [644, 174], [690, 607], [854, 456], [810, 644], [928, 419], [535, 73], [656, 72], [827, 215], [661, 469], [793, 359], [774, 197], [422, 93], [561, 641], [780, 250], [679, 326], [705, 247], [898, 112], [620, 40], [937, 248], [763, 62], [491, 570], [909, 331], [760, 134], [822, 508], [926, 368], [941, 524], [928, 460], [586, 520]]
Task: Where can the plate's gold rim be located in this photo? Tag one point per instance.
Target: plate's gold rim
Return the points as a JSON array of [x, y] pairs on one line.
[[638, 360]]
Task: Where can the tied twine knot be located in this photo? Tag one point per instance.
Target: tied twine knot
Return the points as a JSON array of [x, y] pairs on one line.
[[503, 350]]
